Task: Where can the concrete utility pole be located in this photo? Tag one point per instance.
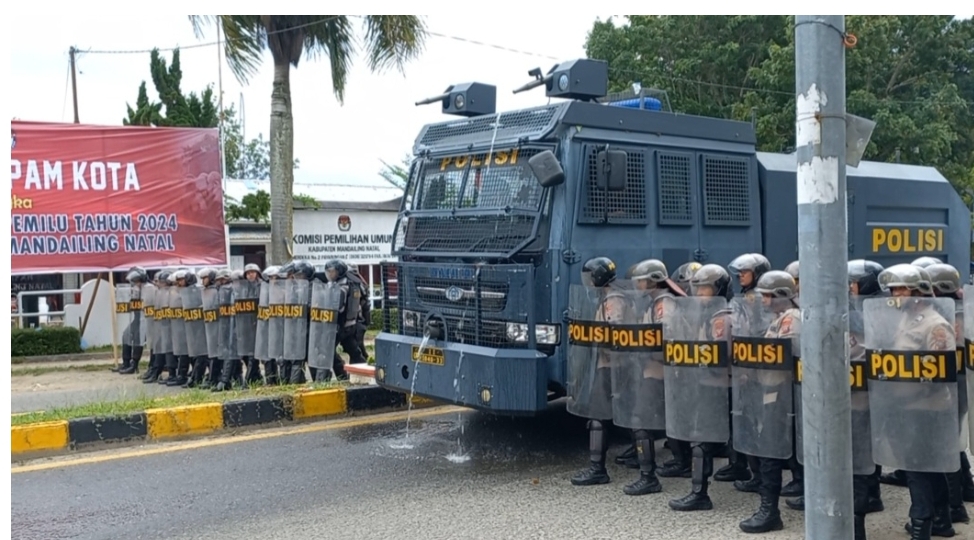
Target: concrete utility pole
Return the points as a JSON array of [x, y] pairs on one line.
[[820, 140], [74, 83]]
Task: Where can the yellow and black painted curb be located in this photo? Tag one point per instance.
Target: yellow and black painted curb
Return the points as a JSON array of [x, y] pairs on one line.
[[193, 420]]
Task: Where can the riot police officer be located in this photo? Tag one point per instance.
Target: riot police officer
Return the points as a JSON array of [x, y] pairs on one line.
[[595, 303], [364, 312], [264, 350], [945, 282], [162, 340], [298, 296], [638, 400], [747, 269], [246, 296], [211, 322], [337, 272], [777, 290], [708, 322], [133, 337], [915, 419]]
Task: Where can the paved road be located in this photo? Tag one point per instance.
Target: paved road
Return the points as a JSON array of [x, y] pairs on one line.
[[457, 475]]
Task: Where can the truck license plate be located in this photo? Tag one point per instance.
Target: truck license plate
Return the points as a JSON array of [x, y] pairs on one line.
[[431, 355]]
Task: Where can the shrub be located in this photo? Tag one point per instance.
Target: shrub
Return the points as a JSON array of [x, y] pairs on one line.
[[377, 314], [44, 341]]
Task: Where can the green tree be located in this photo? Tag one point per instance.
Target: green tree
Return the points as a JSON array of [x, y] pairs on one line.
[[255, 207], [390, 40], [397, 175], [913, 75]]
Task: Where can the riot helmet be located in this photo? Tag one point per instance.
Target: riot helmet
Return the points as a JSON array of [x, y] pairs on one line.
[[777, 284], [710, 280], [252, 268], [300, 269], [684, 273], [904, 277], [924, 262], [749, 268], [207, 276], [335, 269], [190, 278], [236, 275], [600, 271], [162, 277], [865, 276], [222, 276], [792, 270], [270, 272], [136, 275], [652, 270], [176, 277], [944, 279], [926, 287]]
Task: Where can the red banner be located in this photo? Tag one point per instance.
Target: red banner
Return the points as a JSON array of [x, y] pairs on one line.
[[91, 198]]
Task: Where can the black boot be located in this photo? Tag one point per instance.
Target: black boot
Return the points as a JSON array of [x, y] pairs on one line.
[[939, 526], [182, 368], [199, 370], [628, 454], [679, 466], [895, 478], [340, 372], [752, 485], [237, 374], [156, 362], [226, 376], [297, 372], [135, 356], [798, 503], [171, 364], [126, 360], [253, 372], [966, 481], [796, 487], [736, 468], [270, 372], [859, 527], [284, 376], [875, 492], [698, 499], [919, 529], [958, 514], [216, 369], [646, 455], [597, 447], [766, 519]]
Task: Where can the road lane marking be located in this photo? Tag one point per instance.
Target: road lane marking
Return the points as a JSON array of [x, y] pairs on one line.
[[193, 445]]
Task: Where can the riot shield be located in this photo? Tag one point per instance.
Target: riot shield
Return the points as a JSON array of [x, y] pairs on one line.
[[137, 328], [762, 366], [696, 339], [913, 395], [297, 305], [177, 324], [962, 407], [123, 312], [226, 320], [193, 317], [326, 299], [275, 322], [245, 314], [211, 320], [163, 343], [589, 340], [148, 314], [636, 358], [968, 356], [260, 331]]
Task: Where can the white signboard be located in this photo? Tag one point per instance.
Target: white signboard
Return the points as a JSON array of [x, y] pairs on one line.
[[355, 236]]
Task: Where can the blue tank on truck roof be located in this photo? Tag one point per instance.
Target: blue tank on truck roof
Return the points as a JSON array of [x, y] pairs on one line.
[[487, 254]]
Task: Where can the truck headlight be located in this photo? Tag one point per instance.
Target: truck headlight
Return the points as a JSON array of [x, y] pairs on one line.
[[410, 319], [544, 334]]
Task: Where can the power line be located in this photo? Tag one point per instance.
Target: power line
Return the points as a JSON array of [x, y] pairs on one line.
[[64, 100], [621, 71]]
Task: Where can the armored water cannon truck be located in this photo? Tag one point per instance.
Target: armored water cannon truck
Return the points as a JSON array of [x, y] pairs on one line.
[[502, 209]]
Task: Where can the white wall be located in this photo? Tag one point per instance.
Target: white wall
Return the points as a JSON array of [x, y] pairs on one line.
[[99, 329]]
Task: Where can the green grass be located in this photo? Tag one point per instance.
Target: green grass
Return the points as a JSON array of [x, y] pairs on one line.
[[41, 370], [186, 397]]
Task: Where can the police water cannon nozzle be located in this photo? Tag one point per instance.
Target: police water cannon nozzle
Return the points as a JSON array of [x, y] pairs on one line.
[[466, 99], [583, 79]]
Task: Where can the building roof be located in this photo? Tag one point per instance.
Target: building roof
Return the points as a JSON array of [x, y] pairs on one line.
[[332, 196], [866, 169]]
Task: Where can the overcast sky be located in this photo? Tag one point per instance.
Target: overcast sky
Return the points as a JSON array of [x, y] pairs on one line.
[[336, 144]]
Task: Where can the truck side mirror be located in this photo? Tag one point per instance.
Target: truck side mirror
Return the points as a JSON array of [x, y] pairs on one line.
[[612, 170], [546, 169]]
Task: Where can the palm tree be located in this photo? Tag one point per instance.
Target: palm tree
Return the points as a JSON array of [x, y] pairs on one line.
[[390, 41]]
